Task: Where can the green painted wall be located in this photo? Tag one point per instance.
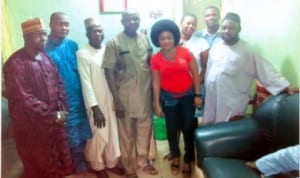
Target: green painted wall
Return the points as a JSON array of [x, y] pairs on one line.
[[271, 26], [77, 10], [197, 7]]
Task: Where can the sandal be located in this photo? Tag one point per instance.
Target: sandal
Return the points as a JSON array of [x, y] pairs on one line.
[[149, 169], [168, 157], [117, 170], [175, 166], [133, 175], [187, 170]]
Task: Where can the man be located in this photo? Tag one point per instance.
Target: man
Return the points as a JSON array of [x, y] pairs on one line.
[[103, 149], [232, 66], [126, 64], [37, 106], [282, 163], [63, 53], [210, 33]]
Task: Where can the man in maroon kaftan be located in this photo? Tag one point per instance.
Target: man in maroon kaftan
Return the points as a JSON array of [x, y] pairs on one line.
[[37, 101]]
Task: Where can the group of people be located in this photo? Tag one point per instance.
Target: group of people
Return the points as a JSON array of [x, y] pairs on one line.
[[89, 109], [78, 110], [215, 60]]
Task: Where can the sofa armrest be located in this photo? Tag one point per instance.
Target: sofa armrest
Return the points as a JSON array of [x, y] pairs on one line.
[[241, 139]]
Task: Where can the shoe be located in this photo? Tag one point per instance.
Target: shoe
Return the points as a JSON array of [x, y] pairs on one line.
[[133, 175], [117, 170], [175, 166], [149, 169], [187, 170], [100, 174], [168, 157]]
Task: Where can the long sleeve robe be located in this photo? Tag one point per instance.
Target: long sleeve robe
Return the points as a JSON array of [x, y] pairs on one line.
[[103, 149], [229, 74], [35, 93]]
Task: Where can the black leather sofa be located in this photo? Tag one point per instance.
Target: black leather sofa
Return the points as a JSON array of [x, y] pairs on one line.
[[222, 149]]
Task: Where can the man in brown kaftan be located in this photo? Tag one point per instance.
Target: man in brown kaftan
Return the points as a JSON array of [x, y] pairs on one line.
[[37, 105]]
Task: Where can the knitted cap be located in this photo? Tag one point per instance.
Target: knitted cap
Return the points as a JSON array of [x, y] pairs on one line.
[[90, 21], [32, 25]]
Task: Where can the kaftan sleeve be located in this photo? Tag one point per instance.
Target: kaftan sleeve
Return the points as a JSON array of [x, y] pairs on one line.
[[271, 79], [18, 89], [110, 55], [84, 68], [62, 105]]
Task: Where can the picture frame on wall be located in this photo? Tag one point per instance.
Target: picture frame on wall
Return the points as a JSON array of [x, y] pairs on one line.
[[112, 6]]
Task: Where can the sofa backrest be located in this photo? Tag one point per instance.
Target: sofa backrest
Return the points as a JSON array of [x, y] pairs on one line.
[[279, 118]]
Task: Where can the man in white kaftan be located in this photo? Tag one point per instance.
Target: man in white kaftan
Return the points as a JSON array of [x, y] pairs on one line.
[[103, 148], [231, 68]]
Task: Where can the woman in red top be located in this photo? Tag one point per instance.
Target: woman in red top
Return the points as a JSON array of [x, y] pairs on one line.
[[176, 90]]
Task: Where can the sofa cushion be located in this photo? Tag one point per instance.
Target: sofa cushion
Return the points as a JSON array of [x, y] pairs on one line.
[[216, 167]]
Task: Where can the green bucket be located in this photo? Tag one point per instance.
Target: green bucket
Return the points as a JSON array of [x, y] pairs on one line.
[[159, 124]]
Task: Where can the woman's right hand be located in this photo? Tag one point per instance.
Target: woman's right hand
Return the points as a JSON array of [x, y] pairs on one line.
[[157, 110]]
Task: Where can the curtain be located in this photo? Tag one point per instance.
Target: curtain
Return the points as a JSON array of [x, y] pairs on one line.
[[6, 46]]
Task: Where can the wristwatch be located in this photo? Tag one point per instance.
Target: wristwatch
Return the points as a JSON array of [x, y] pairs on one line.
[[198, 95]]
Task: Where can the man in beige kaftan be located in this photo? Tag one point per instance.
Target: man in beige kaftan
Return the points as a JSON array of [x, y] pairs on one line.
[[128, 75]]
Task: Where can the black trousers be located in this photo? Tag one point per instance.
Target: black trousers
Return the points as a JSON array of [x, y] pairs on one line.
[[181, 117]]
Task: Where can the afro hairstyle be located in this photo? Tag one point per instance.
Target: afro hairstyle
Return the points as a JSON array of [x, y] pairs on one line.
[[161, 26]]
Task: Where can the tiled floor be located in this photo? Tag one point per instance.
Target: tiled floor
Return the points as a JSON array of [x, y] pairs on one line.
[[12, 167]]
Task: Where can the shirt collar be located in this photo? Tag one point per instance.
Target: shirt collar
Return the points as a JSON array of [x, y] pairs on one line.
[[206, 33]]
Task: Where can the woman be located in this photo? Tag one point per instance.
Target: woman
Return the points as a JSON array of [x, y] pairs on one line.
[[198, 46], [176, 90]]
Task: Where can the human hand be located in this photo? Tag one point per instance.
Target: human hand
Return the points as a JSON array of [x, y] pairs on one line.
[[99, 119], [290, 90], [119, 109], [61, 117], [198, 102], [157, 110]]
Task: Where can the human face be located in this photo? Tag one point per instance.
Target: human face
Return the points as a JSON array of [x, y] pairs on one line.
[[211, 18], [131, 23], [230, 31], [166, 40], [37, 40], [59, 26], [188, 25], [95, 36]]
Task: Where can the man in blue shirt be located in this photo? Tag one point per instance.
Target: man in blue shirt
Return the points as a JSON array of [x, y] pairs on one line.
[[63, 53], [211, 34], [211, 18]]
